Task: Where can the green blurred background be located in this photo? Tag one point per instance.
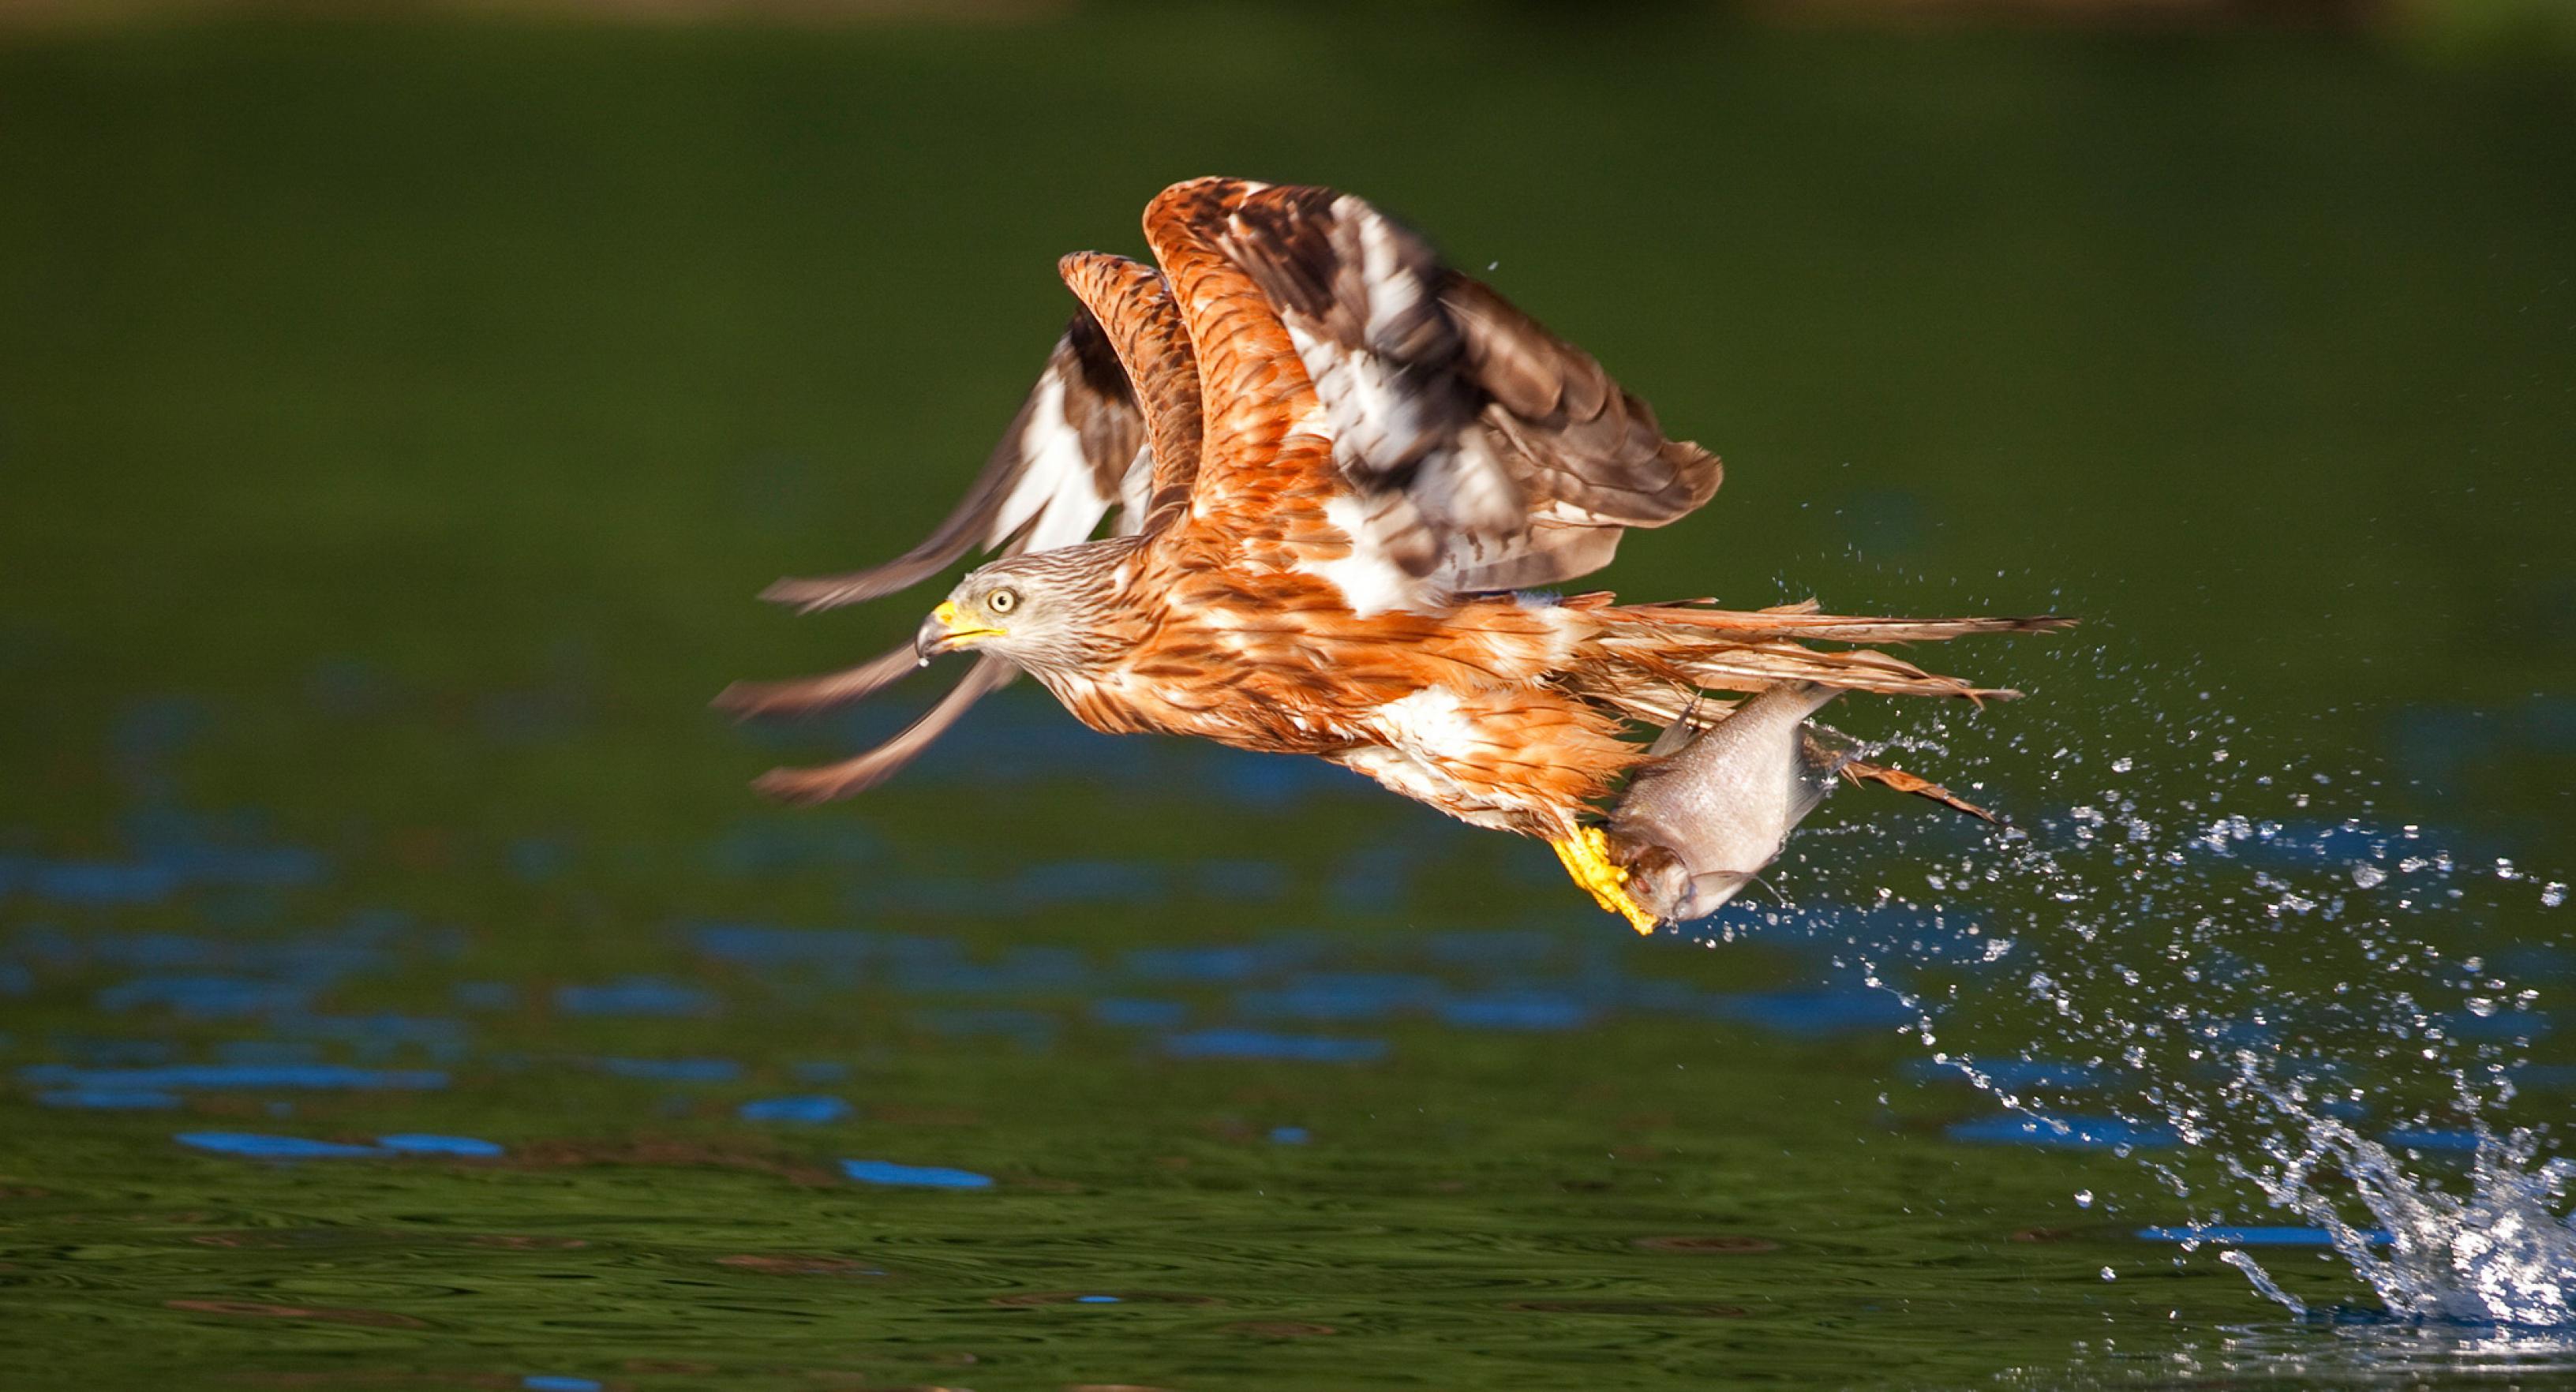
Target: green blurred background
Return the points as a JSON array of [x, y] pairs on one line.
[[474, 350], [425, 394]]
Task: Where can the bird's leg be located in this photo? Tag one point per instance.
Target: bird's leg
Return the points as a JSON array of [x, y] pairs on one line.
[[1586, 854]]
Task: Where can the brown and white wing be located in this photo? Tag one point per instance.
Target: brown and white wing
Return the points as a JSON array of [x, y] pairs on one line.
[[1111, 425], [1084, 444], [1476, 450], [1076, 450]]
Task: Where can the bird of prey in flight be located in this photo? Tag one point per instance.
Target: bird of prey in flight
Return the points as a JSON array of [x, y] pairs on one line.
[[1340, 471]]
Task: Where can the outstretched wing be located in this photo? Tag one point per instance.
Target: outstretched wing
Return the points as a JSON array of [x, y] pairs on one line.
[[1112, 424], [1471, 449]]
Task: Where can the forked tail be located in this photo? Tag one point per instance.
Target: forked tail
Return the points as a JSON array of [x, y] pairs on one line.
[[1688, 647]]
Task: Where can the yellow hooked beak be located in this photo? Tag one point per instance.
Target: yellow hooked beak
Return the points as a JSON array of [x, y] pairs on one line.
[[940, 632]]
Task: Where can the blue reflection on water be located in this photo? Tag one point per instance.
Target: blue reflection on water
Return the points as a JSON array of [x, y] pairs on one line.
[[265, 1147], [93, 882], [2061, 1133], [811, 1110], [424, 1143], [1213, 965], [109, 1099], [221, 1075], [1340, 996], [676, 1070], [209, 997], [2257, 1236], [636, 995], [1517, 1010], [923, 1176], [2009, 1074], [1133, 1011], [1831, 1010], [2463, 1142]]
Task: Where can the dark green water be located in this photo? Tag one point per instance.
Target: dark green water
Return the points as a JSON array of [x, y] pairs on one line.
[[396, 422]]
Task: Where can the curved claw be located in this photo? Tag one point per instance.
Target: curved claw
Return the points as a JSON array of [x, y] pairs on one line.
[[1586, 854]]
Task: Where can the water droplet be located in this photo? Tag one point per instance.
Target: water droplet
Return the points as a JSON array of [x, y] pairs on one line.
[[2083, 1198]]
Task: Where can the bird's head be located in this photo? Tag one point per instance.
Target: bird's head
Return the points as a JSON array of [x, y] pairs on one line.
[[1041, 611]]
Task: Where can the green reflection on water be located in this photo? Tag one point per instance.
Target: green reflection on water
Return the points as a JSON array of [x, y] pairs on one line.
[[425, 404]]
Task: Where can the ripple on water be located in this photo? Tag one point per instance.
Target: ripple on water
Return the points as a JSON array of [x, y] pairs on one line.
[[1718, 1244], [1659, 1309], [2359, 1349], [251, 1309], [798, 1264]]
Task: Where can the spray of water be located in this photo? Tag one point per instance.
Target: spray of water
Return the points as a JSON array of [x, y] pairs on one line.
[[2276, 999]]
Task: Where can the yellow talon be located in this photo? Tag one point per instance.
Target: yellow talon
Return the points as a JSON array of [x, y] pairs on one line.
[[1587, 858]]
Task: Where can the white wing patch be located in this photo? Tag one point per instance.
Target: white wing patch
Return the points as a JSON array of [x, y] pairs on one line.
[[1055, 497], [1428, 722], [1420, 739], [1135, 490], [1370, 578]]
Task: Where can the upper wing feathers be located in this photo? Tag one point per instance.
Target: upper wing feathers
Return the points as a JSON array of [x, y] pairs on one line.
[[1133, 305], [1488, 453]]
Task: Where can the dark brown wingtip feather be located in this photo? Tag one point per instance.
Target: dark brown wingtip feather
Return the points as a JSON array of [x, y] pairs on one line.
[[744, 700], [810, 594], [824, 783]]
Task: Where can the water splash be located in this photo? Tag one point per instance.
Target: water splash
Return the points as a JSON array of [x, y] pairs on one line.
[[2500, 1254], [2216, 943]]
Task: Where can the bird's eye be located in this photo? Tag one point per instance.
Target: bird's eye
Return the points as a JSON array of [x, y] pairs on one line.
[[1002, 601]]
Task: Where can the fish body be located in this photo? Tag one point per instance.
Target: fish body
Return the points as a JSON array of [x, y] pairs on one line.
[[1694, 827]]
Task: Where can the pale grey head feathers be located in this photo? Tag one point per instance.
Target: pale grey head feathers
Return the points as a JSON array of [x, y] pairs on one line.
[[1045, 611]]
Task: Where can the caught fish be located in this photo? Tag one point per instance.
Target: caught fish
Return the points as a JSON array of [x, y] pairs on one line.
[[1696, 826]]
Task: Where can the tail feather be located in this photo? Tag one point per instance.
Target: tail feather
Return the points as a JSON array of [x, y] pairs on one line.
[[1649, 659], [1692, 659], [1801, 621]]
